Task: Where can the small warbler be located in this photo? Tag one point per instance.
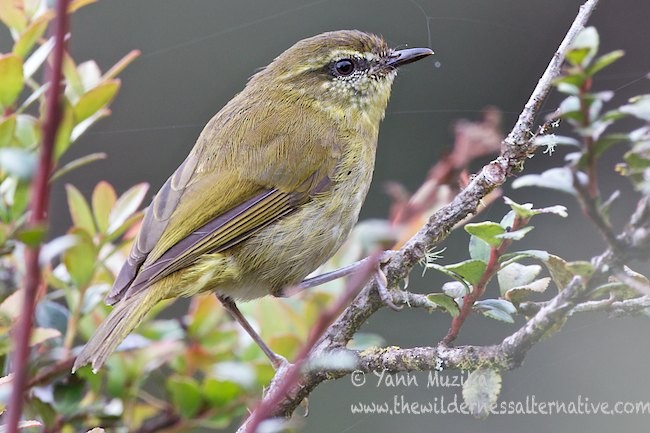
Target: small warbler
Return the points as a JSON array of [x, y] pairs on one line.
[[271, 189]]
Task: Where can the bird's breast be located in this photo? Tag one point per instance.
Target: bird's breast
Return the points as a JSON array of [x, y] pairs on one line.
[[285, 252]]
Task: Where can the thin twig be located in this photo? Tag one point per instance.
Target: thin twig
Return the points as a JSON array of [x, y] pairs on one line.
[[37, 218]]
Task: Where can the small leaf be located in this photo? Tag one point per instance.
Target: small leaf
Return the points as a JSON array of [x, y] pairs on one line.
[[77, 163], [486, 231], [220, 392], [515, 275], [37, 58], [445, 302], [521, 293], [639, 107], [455, 289], [80, 210], [559, 270], [74, 6], [95, 99], [50, 314], [31, 236], [103, 199], [584, 47], [126, 205], [479, 249], [12, 14], [28, 131], [498, 309], [506, 259], [63, 140], [121, 64], [470, 270], [558, 178], [517, 235], [185, 395], [80, 259], [7, 128], [84, 125], [32, 33], [481, 391], [11, 77], [67, 396], [604, 61], [18, 162]]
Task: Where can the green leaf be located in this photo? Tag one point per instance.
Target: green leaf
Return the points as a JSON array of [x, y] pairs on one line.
[[32, 33], [126, 206], [186, 395], [11, 77], [219, 393], [31, 236], [470, 270], [77, 163], [455, 289], [498, 309], [104, 198], [80, 260], [95, 99], [481, 391], [74, 85], [445, 302], [67, 396], [515, 274], [558, 178], [520, 293], [486, 231], [584, 47], [604, 61], [79, 210], [7, 128], [63, 140]]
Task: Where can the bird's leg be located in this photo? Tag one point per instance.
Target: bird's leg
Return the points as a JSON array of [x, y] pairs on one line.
[[380, 279], [334, 275], [277, 361]]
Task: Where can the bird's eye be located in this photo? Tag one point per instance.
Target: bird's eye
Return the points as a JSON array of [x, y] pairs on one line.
[[344, 67]]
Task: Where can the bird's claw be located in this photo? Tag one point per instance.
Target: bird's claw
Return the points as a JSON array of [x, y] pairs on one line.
[[382, 290]]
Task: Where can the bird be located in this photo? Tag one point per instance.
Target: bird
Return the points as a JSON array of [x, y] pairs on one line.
[[271, 189]]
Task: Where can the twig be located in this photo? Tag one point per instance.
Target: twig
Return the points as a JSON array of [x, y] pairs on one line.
[[517, 148], [37, 218]]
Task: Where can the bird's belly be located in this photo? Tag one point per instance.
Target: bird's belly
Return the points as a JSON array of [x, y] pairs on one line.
[[285, 252]]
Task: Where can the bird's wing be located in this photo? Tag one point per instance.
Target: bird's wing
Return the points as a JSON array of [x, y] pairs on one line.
[[222, 194]]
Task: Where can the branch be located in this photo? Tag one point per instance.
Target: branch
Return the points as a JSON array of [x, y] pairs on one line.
[[37, 219], [518, 147]]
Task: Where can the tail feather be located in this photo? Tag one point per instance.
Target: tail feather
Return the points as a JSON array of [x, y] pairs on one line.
[[126, 316]]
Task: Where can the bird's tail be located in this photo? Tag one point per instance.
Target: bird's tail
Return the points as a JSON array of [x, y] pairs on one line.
[[126, 315]]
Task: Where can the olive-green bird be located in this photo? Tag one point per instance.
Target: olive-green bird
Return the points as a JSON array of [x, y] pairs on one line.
[[271, 189]]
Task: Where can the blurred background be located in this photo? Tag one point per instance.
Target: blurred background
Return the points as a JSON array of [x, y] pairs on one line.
[[196, 54]]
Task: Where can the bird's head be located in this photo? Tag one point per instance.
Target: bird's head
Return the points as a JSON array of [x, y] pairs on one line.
[[339, 71]]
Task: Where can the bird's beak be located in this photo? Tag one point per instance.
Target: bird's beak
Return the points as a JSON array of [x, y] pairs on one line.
[[407, 55]]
